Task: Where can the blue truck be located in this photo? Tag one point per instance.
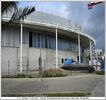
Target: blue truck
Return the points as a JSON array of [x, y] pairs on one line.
[[70, 64]]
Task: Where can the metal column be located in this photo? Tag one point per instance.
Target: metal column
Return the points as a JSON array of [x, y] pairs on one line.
[[56, 49], [0, 48], [91, 51], [79, 48], [21, 47]]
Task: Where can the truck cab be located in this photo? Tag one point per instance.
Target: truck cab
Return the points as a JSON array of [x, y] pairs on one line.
[[68, 61]]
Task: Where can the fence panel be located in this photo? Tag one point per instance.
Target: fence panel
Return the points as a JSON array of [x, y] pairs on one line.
[[12, 68]]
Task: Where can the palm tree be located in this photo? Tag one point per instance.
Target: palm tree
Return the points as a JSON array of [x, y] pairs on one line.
[[18, 13], [6, 6]]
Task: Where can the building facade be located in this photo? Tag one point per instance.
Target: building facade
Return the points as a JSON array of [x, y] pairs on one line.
[[39, 39]]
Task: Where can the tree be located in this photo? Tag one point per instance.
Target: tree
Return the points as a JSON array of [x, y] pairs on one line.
[[18, 13], [6, 6]]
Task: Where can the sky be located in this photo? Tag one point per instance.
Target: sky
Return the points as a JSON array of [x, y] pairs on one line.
[[92, 21]]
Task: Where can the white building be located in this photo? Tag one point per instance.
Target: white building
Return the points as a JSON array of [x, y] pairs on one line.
[[55, 37], [99, 53]]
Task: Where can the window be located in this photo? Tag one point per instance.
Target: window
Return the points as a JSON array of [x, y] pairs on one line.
[[62, 60], [39, 39], [46, 42], [78, 58], [30, 39]]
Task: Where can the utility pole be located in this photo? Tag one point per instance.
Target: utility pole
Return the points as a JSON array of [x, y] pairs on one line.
[[40, 70]]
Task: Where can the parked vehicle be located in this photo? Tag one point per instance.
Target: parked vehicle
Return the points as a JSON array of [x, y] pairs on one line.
[[69, 64]]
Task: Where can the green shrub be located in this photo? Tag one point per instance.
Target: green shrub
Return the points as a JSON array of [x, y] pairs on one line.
[[20, 76], [100, 72], [30, 76], [10, 76]]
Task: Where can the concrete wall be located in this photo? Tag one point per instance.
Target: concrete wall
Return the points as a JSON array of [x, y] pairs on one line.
[[10, 52], [10, 59]]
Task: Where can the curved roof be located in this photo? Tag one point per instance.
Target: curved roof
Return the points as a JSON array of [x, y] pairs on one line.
[[49, 20]]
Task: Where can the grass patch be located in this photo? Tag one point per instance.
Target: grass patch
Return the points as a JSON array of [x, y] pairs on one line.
[[100, 72], [53, 73], [74, 94]]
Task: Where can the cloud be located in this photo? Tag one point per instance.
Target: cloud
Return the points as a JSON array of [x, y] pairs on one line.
[[96, 24], [91, 21], [55, 8]]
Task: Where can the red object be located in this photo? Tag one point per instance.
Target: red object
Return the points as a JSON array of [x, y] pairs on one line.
[[91, 4]]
